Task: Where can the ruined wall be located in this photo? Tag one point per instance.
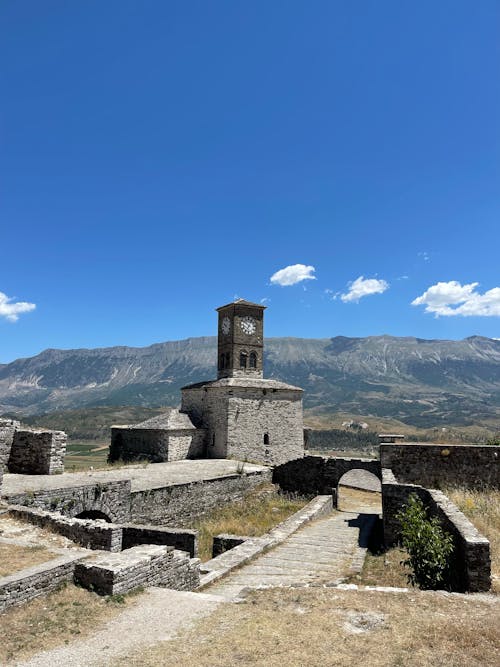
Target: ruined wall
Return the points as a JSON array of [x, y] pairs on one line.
[[110, 498], [23, 586], [471, 565], [437, 466], [7, 430], [155, 445], [180, 503], [146, 565], [85, 532], [37, 452]]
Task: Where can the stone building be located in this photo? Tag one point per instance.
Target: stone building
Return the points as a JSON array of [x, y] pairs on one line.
[[244, 415], [239, 415], [170, 436]]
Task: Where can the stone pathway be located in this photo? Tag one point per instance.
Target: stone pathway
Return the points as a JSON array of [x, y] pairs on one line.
[[322, 551], [159, 615]]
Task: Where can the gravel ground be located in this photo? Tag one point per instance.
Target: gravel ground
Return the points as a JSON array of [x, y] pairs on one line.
[[158, 616]]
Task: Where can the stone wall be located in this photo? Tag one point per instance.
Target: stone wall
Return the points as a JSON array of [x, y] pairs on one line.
[[257, 423], [7, 430], [181, 539], [35, 581], [146, 565], [318, 475], [437, 466], [181, 503], [155, 444], [37, 452], [85, 532], [110, 498], [471, 565]]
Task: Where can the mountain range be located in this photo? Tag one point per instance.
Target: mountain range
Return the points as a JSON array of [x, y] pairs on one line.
[[423, 383]]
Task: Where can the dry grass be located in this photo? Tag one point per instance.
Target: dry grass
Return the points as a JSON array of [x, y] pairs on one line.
[[54, 620], [483, 509], [383, 569], [262, 509], [314, 628], [14, 557]]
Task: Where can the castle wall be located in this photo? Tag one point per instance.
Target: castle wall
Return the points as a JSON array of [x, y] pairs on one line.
[[179, 504], [437, 466], [470, 569], [37, 452]]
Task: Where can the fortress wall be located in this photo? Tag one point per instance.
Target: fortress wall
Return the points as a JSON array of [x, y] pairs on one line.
[[110, 498], [319, 475], [471, 565], [37, 452], [180, 503], [435, 466]]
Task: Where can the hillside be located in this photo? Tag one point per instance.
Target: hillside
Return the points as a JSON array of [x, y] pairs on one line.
[[422, 383]]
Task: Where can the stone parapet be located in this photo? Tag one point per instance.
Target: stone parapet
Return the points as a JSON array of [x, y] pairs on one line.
[[470, 569], [437, 466]]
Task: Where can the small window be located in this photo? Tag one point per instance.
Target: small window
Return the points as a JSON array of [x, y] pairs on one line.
[[213, 440], [243, 359], [253, 360], [228, 361], [266, 438], [222, 361]]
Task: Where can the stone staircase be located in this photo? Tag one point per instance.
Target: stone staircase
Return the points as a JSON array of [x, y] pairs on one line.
[[322, 552]]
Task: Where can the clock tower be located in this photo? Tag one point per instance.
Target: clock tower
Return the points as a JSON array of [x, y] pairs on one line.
[[240, 339]]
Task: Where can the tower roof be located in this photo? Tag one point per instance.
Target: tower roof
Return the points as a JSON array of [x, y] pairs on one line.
[[242, 302]]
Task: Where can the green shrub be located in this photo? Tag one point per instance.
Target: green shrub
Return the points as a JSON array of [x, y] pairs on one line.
[[429, 547]]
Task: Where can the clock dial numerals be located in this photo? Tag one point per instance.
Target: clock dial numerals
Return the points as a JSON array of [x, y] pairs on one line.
[[248, 325], [226, 326]]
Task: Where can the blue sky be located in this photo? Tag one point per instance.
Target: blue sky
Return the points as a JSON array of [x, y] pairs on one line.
[[158, 158]]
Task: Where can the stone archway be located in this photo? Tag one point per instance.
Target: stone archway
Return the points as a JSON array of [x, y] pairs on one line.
[[359, 490], [93, 514]]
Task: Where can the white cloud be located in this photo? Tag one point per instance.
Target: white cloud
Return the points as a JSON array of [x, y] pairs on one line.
[[453, 298], [11, 311], [364, 287], [291, 275]]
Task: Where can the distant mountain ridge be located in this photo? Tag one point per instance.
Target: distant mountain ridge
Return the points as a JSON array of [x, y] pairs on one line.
[[420, 382]]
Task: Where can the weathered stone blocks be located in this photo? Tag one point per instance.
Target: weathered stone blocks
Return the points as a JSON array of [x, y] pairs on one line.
[[146, 565], [37, 452]]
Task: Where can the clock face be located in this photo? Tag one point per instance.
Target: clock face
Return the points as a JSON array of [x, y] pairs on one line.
[[248, 325], [226, 326]]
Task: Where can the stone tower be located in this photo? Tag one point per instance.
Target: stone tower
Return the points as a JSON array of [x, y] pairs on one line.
[[240, 339], [242, 414]]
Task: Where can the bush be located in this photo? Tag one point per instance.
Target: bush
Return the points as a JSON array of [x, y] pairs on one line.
[[429, 547]]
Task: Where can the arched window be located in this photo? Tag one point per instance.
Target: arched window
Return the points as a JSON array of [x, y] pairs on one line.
[[228, 360], [243, 359], [266, 438], [253, 360], [222, 360]]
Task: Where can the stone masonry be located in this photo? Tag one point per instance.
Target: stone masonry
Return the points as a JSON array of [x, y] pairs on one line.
[[145, 565], [170, 436], [37, 452]]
